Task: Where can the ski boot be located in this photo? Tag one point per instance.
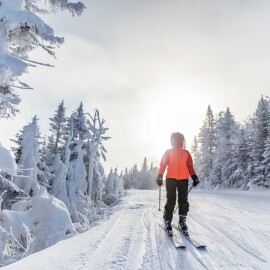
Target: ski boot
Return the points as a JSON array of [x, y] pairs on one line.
[[182, 225], [168, 227]]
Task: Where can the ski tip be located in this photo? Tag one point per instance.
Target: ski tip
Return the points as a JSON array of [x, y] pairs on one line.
[[182, 247], [201, 247]]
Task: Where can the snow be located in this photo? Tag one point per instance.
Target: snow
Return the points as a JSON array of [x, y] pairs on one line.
[[47, 229], [22, 30], [29, 159], [59, 189], [235, 226], [7, 162]]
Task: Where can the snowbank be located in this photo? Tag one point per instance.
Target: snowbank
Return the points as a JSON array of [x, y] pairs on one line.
[[7, 162], [46, 217]]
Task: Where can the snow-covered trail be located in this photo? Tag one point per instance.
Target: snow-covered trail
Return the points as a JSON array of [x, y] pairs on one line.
[[235, 227]]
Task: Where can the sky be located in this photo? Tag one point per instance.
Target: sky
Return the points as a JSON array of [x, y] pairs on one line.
[[151, 67]]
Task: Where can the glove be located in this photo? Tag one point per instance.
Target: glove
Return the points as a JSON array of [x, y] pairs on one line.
[[159, 180], [195, 180]]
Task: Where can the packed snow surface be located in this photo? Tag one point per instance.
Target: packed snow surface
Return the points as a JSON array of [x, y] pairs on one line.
[[235, 226]]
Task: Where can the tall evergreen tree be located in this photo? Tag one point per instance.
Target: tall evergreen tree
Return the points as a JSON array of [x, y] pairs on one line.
[[226, 134], [126, 179], [17, 149], [144, 175], [195, 151], [29, 159], [134, 175], [240, 159], [95, 148], [266, 161], [58, 127], [145, 165], [81, 131], [258, 140], [207, 141]]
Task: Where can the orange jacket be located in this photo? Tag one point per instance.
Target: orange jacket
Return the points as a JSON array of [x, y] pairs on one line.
[[177, 160]]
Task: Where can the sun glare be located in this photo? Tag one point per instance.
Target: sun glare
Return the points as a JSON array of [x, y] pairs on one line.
[[171, 109]]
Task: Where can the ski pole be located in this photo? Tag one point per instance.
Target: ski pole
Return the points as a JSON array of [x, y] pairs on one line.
[[159, 198], [190, 188], [178, 205]]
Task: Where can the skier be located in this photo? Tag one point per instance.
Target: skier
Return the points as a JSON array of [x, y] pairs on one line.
[[179, 164]]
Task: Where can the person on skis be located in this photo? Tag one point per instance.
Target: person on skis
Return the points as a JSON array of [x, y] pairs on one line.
[[179, 164]]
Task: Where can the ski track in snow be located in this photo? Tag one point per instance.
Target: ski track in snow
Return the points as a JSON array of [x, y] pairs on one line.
[[235, 227]]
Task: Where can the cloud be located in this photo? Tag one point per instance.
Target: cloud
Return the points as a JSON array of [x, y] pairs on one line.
[[135, 60]]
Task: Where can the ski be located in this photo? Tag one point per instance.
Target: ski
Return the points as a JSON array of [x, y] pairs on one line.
[[194, 242], [173, 237]]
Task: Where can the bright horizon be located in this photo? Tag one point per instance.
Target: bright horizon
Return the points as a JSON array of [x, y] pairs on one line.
[[154, 75]]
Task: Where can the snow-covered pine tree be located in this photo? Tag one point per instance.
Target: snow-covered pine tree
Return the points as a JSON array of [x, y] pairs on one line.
[[240, 159], [99, 179], [58, 183], [44, 173], [207, 142], [147, 176], [118, 185], [27, 179], [126, 179], [50, 144], [114, 186], [134, 176], [195, 151], [80, 128], [145, 165], [109, 194], [95, 148], [110, 183], [266, 160], [33, 171], [73, 157], [21, 31], [17, 150], [76, 179], [67, 151], [59, 129], [257, 139], [69, 185], [9, 99], [153, 175], [226, 134], [143, 177]]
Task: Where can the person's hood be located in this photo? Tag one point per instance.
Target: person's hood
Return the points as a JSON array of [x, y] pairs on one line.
[[177, 140]]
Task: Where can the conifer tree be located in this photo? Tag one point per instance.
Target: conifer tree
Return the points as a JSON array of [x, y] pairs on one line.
[[226, 133], [195, 151], [29, 159], [17, 150], [258, 140], [207, 141], [58, 127], [80, 129], [95, 148], [240, 159], [144, 165]]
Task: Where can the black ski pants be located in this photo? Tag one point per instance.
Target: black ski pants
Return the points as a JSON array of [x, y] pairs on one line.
[[182, 189]]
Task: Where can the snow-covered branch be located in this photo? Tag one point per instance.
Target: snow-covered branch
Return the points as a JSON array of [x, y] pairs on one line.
[[21, 31]]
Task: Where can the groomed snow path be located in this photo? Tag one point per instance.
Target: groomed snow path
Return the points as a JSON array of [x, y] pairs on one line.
[[235, 226]]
